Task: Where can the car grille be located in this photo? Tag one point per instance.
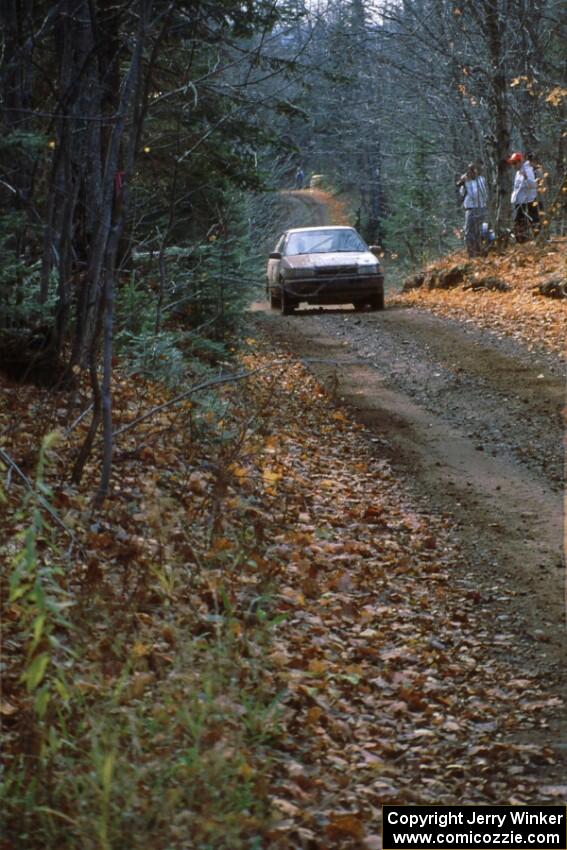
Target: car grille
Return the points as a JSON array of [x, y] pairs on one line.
[[335, 271]]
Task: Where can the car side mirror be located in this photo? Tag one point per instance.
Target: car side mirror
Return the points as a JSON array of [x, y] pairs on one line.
[[375, 249], [275, 255]]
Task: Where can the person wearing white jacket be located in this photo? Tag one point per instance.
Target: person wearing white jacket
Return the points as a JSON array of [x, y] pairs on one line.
[[472, 188], [524, 198]]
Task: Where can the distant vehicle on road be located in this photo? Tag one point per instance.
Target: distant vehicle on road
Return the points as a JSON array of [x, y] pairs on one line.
[[317, 181], [324, 265]]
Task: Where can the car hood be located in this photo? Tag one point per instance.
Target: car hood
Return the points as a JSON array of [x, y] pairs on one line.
[[331, 260]]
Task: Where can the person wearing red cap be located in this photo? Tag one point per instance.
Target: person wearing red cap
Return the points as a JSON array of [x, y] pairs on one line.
[[524, 197]]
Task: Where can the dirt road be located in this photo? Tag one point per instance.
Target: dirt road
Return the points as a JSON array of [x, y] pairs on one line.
[[473, 425]]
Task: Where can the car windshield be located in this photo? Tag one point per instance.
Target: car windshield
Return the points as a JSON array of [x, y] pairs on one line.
[[324, 241]]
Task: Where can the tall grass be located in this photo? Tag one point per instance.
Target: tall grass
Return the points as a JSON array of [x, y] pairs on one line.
[[137, 712]]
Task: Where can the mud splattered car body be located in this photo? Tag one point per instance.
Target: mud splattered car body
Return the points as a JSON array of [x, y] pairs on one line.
[[324, 265]]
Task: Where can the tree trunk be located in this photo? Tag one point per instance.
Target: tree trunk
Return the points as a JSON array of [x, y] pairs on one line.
[[495, 27]]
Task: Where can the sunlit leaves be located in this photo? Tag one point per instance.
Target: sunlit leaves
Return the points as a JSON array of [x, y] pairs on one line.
[[556, 96], [521, 312]]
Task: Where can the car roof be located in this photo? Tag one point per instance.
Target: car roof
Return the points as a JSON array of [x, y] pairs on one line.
[[321, 227]]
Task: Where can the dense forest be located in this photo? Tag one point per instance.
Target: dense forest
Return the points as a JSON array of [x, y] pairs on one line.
[[142, 143], [146, 697]]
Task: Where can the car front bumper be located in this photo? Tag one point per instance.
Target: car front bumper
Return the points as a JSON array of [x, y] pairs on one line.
[[334, 290]]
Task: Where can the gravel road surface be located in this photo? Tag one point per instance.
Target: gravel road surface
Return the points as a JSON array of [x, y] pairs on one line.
[[473, 425]]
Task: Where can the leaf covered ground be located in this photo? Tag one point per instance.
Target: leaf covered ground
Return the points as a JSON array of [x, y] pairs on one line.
[[257, 644], [521, 311]]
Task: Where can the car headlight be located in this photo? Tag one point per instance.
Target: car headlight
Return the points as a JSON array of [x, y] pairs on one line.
[[369, 268]]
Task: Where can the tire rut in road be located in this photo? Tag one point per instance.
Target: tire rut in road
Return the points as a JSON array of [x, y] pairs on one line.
[[446, 405], [507, 400], [304, 211]]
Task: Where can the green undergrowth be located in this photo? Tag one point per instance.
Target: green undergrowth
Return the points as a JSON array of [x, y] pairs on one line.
[[136, 756], [139, 708]]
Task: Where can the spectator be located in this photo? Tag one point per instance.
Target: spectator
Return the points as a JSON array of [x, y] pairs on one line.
[[540, 176], [299, 178], [524, 198], [472, 188]]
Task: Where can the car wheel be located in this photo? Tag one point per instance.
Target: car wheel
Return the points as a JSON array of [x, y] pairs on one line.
[[377, 301], [358, 305], [286, 304]]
